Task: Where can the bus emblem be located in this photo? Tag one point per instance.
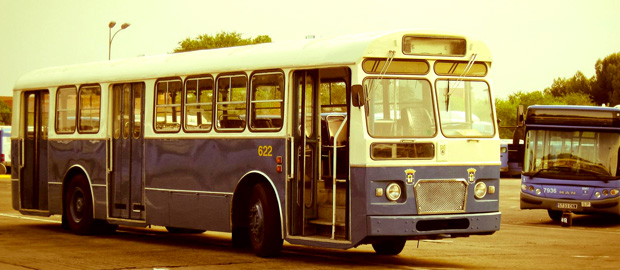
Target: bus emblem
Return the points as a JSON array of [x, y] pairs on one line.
[[410, 175], [472, 174]]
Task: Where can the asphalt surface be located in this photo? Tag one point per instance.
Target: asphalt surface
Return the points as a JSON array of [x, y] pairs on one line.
[[526, 240]]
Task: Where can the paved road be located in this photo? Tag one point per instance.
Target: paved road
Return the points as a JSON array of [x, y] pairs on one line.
[[527, 240]]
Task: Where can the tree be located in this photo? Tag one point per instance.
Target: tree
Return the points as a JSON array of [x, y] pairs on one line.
[[507, 108], [5, 114], [220, 40], [608, 80], [577, 84]]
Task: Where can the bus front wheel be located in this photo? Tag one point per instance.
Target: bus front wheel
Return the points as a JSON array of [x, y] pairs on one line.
[[555, 215], [389, 246], [265, 234]]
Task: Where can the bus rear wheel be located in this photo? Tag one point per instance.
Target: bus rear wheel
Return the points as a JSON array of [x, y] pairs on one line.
[[389, 246], [79, 206], [78, 213], [265, 233]]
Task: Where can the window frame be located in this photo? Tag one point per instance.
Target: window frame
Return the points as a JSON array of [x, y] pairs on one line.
[[491, 107], [186, 103], [157, 106], [252, 101], [217, 103], [64, 109], [79, 109]]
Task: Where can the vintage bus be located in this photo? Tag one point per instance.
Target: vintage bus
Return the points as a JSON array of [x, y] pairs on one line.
[[335, 142], [571, 160]]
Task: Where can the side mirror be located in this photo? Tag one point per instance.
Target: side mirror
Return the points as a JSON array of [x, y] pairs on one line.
[[357, 95]]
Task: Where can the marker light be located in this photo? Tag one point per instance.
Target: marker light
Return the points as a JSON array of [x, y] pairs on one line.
[[605, 192], [480, 190], [392, 192]]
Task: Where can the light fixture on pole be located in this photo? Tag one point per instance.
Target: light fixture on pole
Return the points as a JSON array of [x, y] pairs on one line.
[[111, 37]]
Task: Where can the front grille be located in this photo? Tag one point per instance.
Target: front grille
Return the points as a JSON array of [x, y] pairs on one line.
[[441, 196]]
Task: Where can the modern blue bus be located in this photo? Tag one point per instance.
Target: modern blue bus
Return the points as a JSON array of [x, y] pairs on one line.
[[571, 160], [371, 138]]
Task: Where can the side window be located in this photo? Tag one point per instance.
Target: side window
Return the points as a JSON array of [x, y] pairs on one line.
[[90, 107], [266, 103], [231, 103], [333, 96], [168, 105], [66, 103], [198, 104]]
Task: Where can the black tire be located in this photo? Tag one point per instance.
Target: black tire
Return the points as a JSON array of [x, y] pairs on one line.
[[241, 237], [389, 246], [79, 207], [555, 215], [183, 230], [265, 232]]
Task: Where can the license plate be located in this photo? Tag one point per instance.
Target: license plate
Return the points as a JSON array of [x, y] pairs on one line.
[[586, 204], [567, 205]]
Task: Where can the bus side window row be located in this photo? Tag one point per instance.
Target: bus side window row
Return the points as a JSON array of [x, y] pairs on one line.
[[81, 108], [204, 98]]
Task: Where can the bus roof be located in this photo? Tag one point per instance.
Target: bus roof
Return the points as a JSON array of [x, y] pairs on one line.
[[572, 115], [342, 50]]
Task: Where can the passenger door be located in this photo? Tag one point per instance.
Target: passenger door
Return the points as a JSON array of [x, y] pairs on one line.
[[33, 155], [306, 149], [127, 152]]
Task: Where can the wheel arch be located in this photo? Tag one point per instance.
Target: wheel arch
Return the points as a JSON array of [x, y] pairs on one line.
[[69, 174], [241, 198]]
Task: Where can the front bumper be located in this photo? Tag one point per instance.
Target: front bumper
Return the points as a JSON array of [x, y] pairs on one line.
[[610, 206], [432, 225]]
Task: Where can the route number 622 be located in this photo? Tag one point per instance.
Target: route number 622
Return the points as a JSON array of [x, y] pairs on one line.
[[265, 150]]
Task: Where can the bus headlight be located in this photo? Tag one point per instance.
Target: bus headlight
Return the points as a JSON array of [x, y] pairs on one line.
[[480, 190], [614, 192], [393, 191]]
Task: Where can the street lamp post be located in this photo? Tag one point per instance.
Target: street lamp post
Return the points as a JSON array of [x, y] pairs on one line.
[[111, 37]]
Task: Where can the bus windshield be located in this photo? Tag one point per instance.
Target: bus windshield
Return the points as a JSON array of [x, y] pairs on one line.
[[584, 155], [465, 108], [400, 108]]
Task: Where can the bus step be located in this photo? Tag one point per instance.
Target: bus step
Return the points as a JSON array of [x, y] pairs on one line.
[[325, 213], [324, 228], [326, 222]]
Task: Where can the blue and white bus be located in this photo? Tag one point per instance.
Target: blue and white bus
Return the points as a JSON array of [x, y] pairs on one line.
[[363, 139], [571, 160]]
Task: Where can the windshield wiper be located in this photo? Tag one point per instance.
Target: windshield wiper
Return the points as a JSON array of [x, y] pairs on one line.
[[382, 73], [470, 64]]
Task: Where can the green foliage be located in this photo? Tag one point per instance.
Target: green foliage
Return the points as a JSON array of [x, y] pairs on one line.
[[577, 84], [5, 114], [608, 80], [220, 40], [507, 108], [603, 88]]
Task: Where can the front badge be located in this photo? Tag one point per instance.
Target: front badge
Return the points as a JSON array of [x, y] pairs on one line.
[[410, 175], [472, 174]]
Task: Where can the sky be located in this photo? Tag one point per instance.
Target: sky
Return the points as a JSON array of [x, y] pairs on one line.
[[532, 42]]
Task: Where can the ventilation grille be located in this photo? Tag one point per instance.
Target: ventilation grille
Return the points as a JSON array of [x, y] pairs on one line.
[[441, 196]]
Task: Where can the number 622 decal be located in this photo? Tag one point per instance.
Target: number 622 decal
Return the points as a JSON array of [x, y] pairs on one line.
[[265, 150]]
